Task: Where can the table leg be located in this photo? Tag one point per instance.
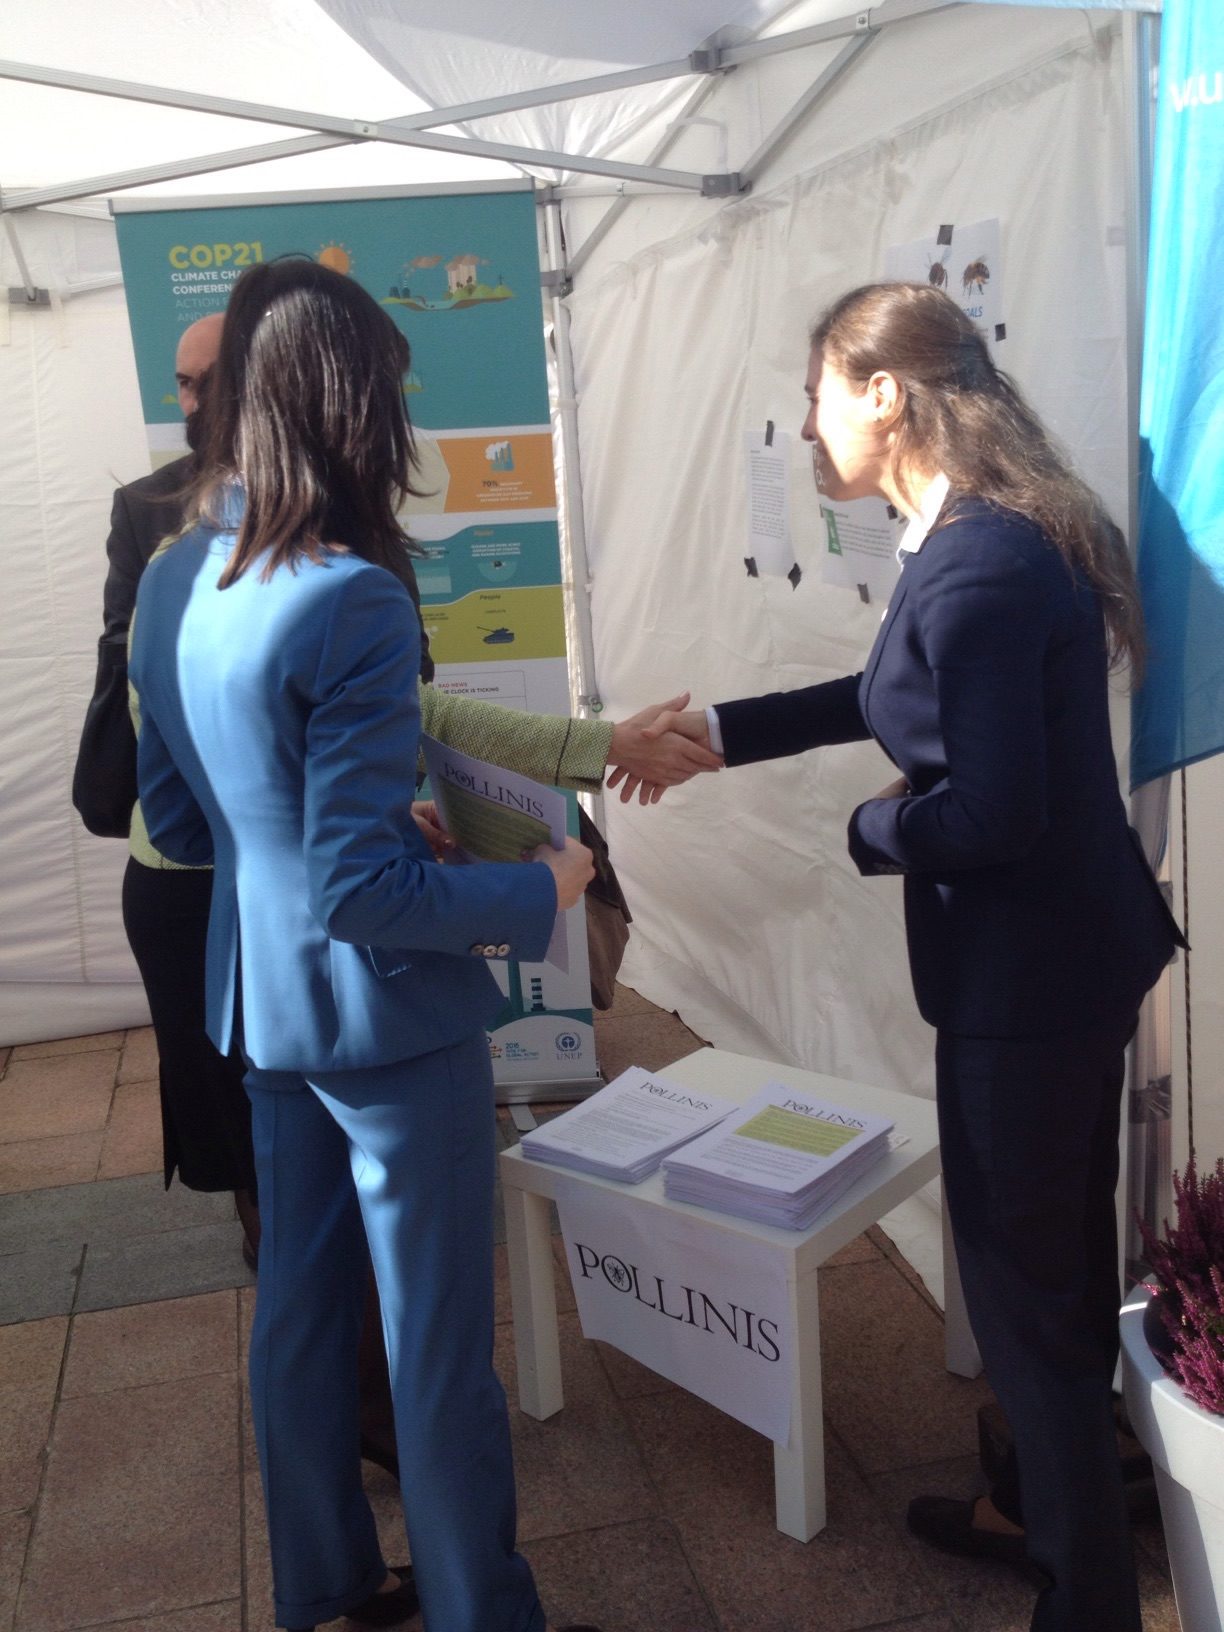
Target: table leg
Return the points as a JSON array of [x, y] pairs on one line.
[[533, 1298], [799, 1472], [960, 1350]]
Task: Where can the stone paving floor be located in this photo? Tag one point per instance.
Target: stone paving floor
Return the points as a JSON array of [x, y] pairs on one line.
[[129, 1494]]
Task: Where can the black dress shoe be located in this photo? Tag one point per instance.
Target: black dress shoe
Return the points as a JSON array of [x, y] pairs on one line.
[[948, 1524]]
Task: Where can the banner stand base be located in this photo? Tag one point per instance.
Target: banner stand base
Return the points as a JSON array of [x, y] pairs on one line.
[[541, 1093]]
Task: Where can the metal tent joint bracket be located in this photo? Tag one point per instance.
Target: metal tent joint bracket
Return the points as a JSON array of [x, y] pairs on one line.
[[556, 282], [727, 185], [20, 296], [709, 60]]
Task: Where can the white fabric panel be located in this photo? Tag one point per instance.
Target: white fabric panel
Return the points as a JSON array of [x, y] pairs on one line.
[[749, 916], [70, 428], [476, 48], [285, 53]]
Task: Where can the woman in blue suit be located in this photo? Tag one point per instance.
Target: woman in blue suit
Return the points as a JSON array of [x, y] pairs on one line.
[[1033, 922], [276, 653]]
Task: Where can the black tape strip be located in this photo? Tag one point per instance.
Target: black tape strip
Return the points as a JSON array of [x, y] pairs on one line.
[[750, 563], [864, 594], [1000, 331], [945, 235], [794, 575], [769, 428]]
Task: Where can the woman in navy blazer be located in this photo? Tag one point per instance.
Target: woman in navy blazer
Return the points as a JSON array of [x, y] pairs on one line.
[[1034, 925], [276, 653]]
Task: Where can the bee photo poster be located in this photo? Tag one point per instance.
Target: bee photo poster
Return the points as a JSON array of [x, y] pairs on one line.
[[966, 262]]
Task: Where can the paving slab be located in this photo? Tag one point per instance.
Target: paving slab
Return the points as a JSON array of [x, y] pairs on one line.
[[108, 1210], [61, 1094], [14, 1535], [581, 1469], [625, 1578], [39, 1281], [715, 1483], [171, 1264], [140, 1495], [152, 1343], [42, 1164], [886, 1390], [91, 1044], [139, 1061]]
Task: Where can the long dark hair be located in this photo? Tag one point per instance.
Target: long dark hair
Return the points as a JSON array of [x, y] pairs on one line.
[[962, 415], [305, 406]]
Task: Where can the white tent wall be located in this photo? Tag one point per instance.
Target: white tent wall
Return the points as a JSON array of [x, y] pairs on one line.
[[749, 917], [70, 430]]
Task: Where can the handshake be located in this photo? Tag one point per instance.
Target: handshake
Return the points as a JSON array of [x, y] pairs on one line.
[[658, 748]]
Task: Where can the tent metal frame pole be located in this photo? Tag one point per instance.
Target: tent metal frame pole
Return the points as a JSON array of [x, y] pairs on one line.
[[815, 93], [172, 170], [347, 130], [1146, 1155], [571, 459]]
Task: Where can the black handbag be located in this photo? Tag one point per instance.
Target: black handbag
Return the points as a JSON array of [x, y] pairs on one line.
[[104, 778]]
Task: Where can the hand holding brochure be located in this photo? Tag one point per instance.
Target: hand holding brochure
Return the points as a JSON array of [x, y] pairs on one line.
[[625, 1130], [495, 815], [780, 1159]]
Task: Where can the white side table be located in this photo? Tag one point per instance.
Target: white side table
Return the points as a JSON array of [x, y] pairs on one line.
[[799, 1481]]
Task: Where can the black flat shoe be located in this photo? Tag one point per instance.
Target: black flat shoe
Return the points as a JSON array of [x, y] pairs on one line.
[[383, 1608], [389, 1608]]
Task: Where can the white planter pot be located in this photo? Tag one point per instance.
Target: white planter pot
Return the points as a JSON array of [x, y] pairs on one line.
[[1186, 1445]]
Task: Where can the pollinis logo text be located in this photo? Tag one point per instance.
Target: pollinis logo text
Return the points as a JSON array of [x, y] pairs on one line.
[[683, 1303], [1198, 91]]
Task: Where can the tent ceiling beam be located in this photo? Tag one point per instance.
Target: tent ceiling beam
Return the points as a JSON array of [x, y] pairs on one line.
[[172, 170], [545, 95], [344, 130], [815, 93]]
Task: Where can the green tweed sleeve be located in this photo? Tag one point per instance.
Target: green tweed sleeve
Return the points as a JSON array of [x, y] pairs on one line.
[[568, 753]]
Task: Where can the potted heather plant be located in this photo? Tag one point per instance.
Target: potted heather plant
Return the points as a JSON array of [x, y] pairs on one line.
[[1173, 1376]]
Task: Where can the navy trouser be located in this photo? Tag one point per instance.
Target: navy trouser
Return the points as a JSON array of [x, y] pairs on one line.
[[402, 1156], [1029, 1133]]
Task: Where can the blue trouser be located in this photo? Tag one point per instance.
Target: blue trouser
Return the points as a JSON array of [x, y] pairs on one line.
[[402, 1156], [1029, 1134]]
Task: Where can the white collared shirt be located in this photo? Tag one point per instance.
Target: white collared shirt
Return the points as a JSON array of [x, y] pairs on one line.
[[915, 534]]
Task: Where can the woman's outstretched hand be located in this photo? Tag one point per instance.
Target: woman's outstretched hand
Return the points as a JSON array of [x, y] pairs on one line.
[[658, 748]]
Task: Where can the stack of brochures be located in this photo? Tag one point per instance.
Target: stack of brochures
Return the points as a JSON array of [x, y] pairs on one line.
[[625, 1130], [780, 1159]]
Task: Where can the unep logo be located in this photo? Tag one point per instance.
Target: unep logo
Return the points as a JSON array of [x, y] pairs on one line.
[[568, 1043]]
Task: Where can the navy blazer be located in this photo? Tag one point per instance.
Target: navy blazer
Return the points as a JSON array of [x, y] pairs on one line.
[[279, 726], [1029, 907]]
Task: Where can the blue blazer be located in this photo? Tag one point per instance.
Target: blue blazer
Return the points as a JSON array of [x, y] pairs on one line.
[[279, 743], [1029, 907]]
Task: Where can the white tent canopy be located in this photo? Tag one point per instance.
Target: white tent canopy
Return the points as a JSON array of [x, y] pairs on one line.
[[688, 313]]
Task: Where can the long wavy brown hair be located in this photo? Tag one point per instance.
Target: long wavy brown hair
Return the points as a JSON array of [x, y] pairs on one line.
[[961, 415], [305, 407]]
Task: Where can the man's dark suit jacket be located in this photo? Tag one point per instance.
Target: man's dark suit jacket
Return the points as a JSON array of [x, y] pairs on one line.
[[144, 513], [1029, 907]]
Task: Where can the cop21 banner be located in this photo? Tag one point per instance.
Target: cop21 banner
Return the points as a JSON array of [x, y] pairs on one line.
[[459, 273], [1178, 713]]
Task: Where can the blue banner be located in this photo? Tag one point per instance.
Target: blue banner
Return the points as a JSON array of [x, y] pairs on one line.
[[1178, 713]]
